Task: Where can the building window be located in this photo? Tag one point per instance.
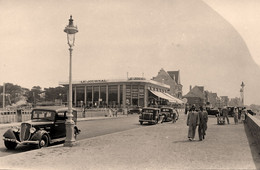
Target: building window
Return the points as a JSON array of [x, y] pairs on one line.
[[96, 95], [112, 95], [89, 96], [103, 95], [79, 96], [121, 94]]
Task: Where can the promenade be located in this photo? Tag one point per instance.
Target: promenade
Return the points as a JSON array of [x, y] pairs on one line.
[[162, 146]]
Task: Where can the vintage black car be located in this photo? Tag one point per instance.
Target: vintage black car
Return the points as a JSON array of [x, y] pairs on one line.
[[47, 125], [251, 112], [149, 115], [212, 111], [136, 110], [167, 114]]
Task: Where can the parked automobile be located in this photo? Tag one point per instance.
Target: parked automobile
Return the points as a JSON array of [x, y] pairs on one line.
[[47, 125], [149, 115], [212, 111], [167, 114], [137, 110], [251, 112]]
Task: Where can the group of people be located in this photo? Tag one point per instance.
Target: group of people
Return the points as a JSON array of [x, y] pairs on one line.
[[239, 116], [112, 112], [197, 117]]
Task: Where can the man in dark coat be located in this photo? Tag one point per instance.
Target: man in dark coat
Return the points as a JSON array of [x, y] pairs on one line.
[[203, 118], [225, 113], [192, 122]]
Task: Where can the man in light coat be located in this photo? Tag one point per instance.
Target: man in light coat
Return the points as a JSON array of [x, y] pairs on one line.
[[192, 122]]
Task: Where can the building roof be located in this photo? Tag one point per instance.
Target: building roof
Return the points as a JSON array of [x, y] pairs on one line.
[[104, 81], [197, 91], [175, 75]]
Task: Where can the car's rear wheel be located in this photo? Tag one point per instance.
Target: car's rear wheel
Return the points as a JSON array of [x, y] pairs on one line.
[[141, 123], [43, 142], [10, 145]]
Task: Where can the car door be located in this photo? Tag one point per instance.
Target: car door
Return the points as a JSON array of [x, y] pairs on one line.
[[59, 125]]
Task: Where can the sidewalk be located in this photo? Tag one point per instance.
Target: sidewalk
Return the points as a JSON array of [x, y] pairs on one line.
[[162, 146]]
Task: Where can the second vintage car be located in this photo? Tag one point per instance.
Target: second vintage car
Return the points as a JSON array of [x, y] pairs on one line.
[[168, 114], [149, 115], [47, 125]]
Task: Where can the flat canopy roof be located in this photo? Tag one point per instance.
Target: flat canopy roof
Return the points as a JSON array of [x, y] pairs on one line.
[[89, 82]]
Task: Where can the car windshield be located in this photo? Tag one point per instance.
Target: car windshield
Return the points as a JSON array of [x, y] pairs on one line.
[[148, 111], [165, 110], [42, 115]]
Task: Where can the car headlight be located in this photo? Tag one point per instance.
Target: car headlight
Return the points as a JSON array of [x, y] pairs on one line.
[[32, 130]]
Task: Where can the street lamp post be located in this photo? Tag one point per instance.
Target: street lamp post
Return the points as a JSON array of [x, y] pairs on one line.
[[71, 30], [242, 93]]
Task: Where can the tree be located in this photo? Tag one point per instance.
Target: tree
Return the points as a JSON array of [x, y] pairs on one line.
[[13, 93], [33, 96], [56, 93]]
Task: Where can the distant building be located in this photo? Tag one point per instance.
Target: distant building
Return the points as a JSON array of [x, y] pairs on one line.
[[134, 91], [224, 100], [235, 102], [171, 78], [212, 98], [196, 96]]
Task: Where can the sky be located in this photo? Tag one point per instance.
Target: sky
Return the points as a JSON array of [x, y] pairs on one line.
[[138, 37]]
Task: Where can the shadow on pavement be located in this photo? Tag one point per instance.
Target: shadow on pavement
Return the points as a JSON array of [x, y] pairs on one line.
[[255, 149], [23, 148]]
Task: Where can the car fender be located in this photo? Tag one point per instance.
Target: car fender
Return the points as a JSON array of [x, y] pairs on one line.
[[10, 134], [38, 135]]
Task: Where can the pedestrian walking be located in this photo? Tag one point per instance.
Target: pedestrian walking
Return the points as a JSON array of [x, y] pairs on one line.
[[203, 120], [225, 114], [174, 115], [116, 110], [243, 115], [192, 122], [236, 115], [110, 111]]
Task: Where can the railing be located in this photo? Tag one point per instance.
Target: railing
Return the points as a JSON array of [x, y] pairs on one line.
[[13, 116], [253, 125]]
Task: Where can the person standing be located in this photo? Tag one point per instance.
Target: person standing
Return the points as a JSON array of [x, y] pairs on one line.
[[186, 108], [236, 115], [225, 114], [243, 115], [203, 120], [192, 122], [175, 115]]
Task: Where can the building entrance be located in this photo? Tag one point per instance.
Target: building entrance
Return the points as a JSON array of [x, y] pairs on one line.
[[135, 102]]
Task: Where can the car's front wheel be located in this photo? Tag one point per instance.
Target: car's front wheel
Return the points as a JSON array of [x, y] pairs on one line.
[[141, 123], [43, 142], [10, 145]]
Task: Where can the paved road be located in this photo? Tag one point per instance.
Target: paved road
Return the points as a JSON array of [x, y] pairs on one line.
[[162, 146], [106, 126], [90, 128]]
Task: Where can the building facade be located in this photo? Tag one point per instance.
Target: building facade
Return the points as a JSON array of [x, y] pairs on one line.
[[120, 93], [196, 96], [171, 78]]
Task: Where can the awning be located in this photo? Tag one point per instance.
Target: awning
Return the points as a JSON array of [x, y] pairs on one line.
[[166, 96], [174, 98]]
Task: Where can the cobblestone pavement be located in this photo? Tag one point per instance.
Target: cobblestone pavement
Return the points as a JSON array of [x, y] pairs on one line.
[[162, 146]]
